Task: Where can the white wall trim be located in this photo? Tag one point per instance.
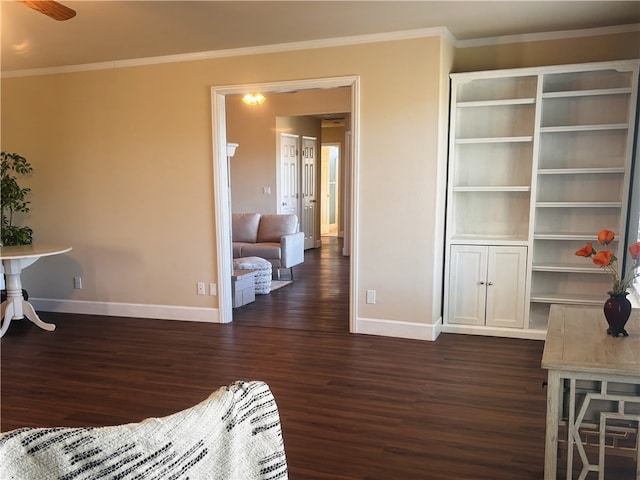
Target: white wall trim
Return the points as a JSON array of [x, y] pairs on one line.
[[137, 310], [222, 204], [542, 36], [399, 329], [353, 215], [236, 52], [448, 36]]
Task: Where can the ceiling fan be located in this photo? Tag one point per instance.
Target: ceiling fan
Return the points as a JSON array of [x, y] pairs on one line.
[[52, 9]]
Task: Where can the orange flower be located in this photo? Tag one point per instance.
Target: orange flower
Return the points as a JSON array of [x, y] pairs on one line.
[[585, 251], [602, 258], [606, 259], [605, 237]]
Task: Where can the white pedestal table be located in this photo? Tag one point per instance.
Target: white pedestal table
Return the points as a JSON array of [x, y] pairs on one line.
[[14, 260]]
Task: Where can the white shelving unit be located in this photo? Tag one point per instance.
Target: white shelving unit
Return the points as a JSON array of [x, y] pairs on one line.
[[586, 135], [539, 158]]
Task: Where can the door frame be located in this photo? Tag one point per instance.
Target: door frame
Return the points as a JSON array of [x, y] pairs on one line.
[[221, 192]]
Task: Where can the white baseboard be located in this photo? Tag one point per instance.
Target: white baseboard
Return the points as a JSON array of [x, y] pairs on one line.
[[394, 328], [161, 312], [369, 326]]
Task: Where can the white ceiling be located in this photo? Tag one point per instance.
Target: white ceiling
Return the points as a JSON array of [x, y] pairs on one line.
[[122, 30]]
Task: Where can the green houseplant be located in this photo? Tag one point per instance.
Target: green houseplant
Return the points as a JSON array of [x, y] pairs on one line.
[[14, 199]]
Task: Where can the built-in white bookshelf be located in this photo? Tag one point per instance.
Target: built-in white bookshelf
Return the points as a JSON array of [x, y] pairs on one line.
[[493, 147], [539, 158]]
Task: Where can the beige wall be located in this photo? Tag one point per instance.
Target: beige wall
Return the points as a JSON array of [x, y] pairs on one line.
[[333, 135], [123, 168], [123, 171], [254, 165], [549, 52]]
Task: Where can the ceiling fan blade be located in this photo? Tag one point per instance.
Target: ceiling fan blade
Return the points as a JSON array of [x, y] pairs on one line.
[[55, 10]]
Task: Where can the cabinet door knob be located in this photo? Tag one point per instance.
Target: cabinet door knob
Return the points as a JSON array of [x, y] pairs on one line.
[[480, 282], [489, 283]]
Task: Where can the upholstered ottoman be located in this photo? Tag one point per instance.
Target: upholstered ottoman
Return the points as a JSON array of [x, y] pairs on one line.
[[262, 268]]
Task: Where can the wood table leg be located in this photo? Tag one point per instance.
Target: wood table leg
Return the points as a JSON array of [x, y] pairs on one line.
[[553, 416]]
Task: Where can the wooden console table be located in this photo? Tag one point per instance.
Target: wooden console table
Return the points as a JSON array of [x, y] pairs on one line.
[[593, 379]]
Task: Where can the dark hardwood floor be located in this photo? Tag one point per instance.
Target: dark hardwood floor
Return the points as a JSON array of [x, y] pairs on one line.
[[352, 406], [317, 300]]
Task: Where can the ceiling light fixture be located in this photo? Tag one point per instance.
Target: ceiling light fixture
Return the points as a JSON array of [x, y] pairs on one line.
[[253, 99]]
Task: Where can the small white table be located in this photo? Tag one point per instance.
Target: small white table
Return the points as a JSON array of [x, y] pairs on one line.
[[603, 377], [243, 287], [14, 260]]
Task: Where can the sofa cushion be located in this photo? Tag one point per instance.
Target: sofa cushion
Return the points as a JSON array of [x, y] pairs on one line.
[[272, 227], [237, 248], [268, 250], [244, 227]]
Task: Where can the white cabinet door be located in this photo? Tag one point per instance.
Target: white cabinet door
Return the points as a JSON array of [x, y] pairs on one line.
[[487, 285], [467, 285], [506, 274]]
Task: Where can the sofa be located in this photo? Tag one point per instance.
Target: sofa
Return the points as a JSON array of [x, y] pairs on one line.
[[275, 238]]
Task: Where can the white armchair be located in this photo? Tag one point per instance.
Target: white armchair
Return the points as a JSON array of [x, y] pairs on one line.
[[273, 237]]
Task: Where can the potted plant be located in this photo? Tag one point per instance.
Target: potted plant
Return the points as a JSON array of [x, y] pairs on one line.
[[14, 199]]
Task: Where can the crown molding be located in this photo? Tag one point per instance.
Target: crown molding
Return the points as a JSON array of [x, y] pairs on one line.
[[442, 32], [449, 37], [237, 52], [538, 37]]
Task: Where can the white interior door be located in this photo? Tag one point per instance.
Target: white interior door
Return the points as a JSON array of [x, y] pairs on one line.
[[309, 218], [288, 185]]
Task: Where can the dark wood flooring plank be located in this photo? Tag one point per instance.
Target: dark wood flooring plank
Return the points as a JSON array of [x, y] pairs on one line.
[[352, 406]]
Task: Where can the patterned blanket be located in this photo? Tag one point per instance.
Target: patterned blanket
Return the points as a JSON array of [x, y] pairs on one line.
[[235, 434]]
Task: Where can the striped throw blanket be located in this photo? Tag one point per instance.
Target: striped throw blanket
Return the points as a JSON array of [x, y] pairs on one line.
[[234, 434]]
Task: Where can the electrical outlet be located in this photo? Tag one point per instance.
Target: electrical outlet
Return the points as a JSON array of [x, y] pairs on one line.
[[371, 296], [201, 289], [213, 289], [77, 282]]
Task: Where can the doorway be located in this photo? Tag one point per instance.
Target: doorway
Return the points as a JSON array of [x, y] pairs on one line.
[[222, 192], [329, 190]]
